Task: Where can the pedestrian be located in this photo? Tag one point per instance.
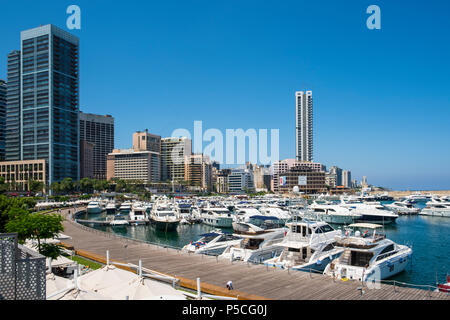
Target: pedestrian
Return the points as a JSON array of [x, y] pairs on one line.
[[230, 285]]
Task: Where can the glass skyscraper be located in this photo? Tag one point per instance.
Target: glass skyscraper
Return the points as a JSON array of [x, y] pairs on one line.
[[304, 125], [44, 122]]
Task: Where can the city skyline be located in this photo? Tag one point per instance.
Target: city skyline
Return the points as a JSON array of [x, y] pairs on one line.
[[388, 140]]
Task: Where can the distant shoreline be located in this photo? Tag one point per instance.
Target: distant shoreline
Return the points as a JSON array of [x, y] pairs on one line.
[[397, 193]]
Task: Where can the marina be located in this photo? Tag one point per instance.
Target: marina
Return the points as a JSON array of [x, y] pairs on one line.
[[250, 280]]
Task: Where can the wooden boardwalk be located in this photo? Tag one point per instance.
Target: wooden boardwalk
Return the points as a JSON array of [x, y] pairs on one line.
[[249, 281]]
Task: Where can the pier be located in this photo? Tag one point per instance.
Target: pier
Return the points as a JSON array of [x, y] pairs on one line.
[[253, 282]]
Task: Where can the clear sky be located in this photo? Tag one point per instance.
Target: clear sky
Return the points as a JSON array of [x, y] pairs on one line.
[[381, 97]]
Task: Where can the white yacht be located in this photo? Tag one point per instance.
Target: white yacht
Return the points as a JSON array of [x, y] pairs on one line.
[[370, 213], [125, 207], [164, 217], [437, 208], [275, 211], [330, 213], [94, 207], [368, 255], [308, 246], [213, 243], [219, 217], [119, 221], [403, 208], [184, 212], [111, 207], [138, 213], [257, 245]]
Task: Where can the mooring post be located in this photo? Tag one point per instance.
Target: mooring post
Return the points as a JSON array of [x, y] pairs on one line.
[[107, 257], [199, 292], [140, 268]]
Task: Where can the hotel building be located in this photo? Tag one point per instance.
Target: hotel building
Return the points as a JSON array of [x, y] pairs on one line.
[[133, 165]]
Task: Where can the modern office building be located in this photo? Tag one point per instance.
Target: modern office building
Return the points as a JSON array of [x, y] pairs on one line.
[[133, 165], [304, 125], [43, 101], [173, 154], [13, 108], [98, 130], [240, 180], [3, 92]]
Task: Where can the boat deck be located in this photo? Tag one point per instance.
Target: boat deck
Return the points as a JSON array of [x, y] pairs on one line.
[[250, 281]]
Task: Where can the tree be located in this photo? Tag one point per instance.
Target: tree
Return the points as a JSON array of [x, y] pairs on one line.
[[36, 186], [37, 226], [86, 185], [55, 187], [67, 185]]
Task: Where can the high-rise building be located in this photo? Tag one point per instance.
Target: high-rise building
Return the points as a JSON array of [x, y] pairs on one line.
[[198, 171], [43, 101], [134, 165], [240, 180], [144, 141], [337, 172], [173, 154], [99, 130], [3, 90], [346, 179], [86, 159], [304, 125], [13, 108]]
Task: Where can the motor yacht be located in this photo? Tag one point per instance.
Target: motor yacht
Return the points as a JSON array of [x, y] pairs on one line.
[[94, 207], [119, 221], [275, 211], [437, 208], [138, 213], [371, 213], [125, 207], [403, 208], [219, 217], [258, 245], [212, 243], [164, 217], [308, 246], [111, 207], [368, 255], [330, 213]]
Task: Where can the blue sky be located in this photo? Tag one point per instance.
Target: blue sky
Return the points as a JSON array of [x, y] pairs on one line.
[[381, 97]]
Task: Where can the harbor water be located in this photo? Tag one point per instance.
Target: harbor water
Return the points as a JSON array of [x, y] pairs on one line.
[[429, 238]]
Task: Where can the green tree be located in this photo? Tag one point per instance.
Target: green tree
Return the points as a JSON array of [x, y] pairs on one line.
[[55, 187], [67, 185], [36, 186], [36, 226], [86, 185]]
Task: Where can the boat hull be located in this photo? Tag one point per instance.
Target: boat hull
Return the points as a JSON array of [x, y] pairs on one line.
[[166, 226], [376, 219], [96, 210], [436, 213]]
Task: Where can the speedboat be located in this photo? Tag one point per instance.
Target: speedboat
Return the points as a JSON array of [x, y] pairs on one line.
[[94, 207], [213, 243], [444, 287], [403, 208], [245, 223], [164, 217], [371, 213], [330, 213], [138, 214], [368, 255], [437, 208], [308, 246], [257, 245], [111, 208], [219, 217]]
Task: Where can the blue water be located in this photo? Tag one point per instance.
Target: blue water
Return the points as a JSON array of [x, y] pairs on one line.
[[428, 236]]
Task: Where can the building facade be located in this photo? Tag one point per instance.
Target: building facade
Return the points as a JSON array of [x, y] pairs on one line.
[[87, 159], [173, 154], [98, 130], [307, 180], [3, 92], [145, 141], [346, 179], [241, 180], [133, 165], [304, 125], [198, 171], [19, 174], [43, 101]]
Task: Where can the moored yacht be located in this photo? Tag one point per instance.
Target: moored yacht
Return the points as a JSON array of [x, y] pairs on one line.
[[125, 207], [370, 213], [219, 217], [111, 207], [437, 208], [138, 213], [94, 207], [212, 243], [119, 221], [403, 208], [164, 217], [330, 213], [368, 255], [308, 246], [257, 245]]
